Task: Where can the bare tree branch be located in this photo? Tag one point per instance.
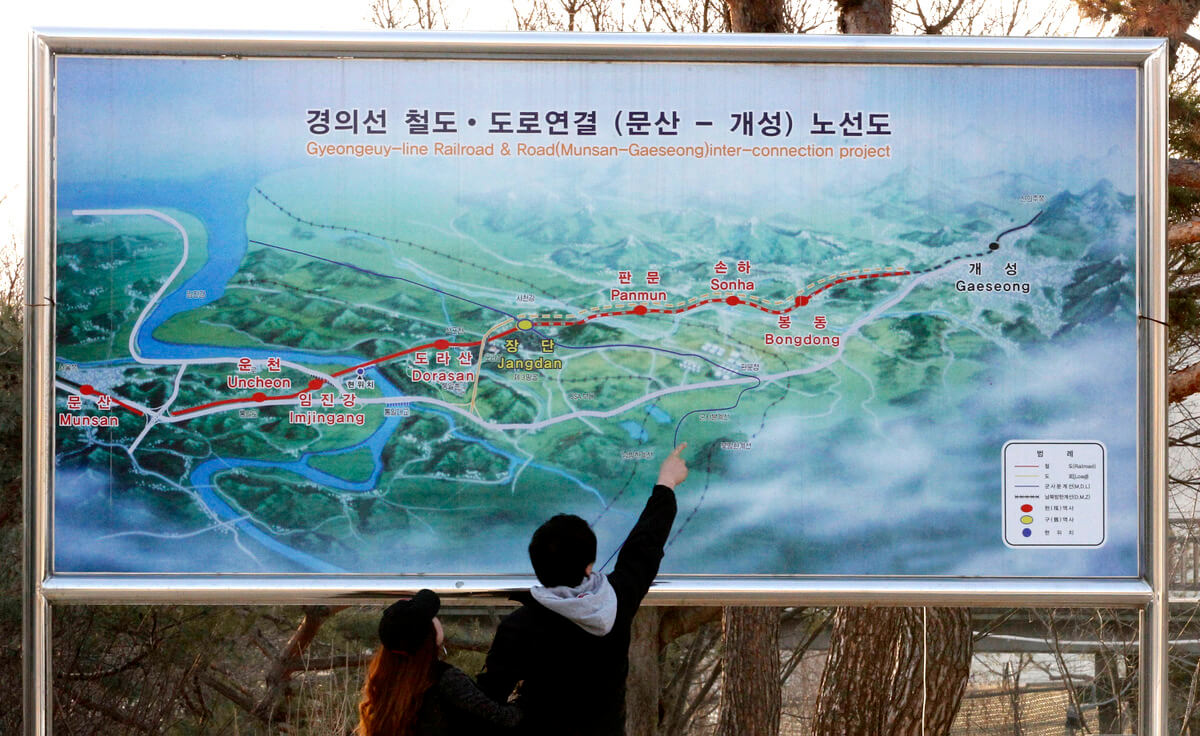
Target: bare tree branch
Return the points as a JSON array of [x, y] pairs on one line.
[[231, 693], [680, 621], [424, 14], [1191, 702], [1184, 172], [937, 28], [289, 660], [1183, 383], [114, 713], [798, 653], [1183, 233], [324, 664]]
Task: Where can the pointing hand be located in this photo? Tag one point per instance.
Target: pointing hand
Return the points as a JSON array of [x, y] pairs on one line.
[[673, 470]]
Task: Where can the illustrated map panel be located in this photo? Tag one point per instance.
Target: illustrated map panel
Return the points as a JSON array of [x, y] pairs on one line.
[[387, 316]]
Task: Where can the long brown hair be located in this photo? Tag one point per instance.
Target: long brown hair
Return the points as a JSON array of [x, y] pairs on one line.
[[395, 688]]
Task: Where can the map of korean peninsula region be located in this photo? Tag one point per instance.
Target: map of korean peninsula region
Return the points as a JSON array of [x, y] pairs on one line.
[[283, 354]]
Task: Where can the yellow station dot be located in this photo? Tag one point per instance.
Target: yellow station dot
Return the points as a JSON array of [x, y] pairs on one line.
[[524, 324], [1026, 519]]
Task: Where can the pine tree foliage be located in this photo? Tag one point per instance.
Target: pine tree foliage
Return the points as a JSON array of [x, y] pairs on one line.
[[12, 305]]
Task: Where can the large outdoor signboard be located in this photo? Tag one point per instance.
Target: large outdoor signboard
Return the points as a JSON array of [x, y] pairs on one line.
[[383, 316]]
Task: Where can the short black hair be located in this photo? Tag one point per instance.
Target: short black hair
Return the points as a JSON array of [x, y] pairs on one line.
[[561, 550]]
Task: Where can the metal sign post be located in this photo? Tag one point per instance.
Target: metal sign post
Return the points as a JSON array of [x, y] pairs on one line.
[[63, 68]]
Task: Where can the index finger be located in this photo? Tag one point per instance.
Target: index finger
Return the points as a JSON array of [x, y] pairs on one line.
[[677, 450]]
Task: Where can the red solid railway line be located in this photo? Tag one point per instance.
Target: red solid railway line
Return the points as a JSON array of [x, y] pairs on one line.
[[89, 390], [317, 383], [641, 309]]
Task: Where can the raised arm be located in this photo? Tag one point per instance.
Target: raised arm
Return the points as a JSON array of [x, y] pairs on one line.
[[638, 561]]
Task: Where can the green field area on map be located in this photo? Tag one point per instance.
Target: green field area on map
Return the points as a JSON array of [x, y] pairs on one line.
[[896, 329], [565, 398]]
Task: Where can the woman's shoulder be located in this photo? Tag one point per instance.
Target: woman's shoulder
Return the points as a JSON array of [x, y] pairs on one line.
[[446, 675], [456, 688]]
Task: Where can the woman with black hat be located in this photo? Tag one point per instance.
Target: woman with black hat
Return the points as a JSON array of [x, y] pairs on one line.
[[410, 692]]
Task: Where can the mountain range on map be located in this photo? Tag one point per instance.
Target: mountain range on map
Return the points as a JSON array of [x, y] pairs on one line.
[[906, 416]]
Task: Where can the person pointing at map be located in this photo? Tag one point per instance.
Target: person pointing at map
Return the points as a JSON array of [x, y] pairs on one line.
[[568, 643]]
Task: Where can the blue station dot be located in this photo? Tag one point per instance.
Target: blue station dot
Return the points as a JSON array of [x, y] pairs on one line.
[[1027, 532], [362, 371]]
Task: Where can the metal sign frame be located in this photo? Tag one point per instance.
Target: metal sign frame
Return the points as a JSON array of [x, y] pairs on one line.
[[1148, 593]]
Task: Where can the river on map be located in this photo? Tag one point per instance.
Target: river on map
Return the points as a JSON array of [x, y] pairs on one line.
[[908, 493], [220, 203]]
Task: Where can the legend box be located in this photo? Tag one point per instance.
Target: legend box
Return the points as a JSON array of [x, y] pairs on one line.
[[1054, 494]]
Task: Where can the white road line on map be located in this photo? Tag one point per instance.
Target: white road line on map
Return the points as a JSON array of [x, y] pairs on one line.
[[137, 326], [579, 414], [517, 475], [138, 440], [189, 492], [175, 391], [228, 524], [563, 390], [766, 379], [157, 416]]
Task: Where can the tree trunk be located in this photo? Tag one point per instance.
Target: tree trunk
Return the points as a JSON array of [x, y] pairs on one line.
[[1108, 713], [750, 692], [756, 16], [290, 660], [642, 686], [878, 683], [864, 16], [947, 642], [1132, 696], [1012, 681]]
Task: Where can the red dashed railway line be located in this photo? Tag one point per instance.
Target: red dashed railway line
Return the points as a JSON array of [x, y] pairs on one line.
[[732, 300], [800, 300], [639, 310]]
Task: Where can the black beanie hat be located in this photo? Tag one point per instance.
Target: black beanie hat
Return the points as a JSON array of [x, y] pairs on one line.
[[407, 623]]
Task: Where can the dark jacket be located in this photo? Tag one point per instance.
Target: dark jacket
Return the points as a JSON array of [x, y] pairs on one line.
[[573, 682], [455, 706]]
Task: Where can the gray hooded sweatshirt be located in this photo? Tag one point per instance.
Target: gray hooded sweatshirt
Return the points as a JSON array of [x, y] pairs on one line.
[[591, 605]]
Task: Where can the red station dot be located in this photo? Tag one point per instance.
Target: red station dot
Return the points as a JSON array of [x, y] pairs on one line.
[[315, 384], [441, 344], [640, 309], [87, 389], [733, 301], [260, 396], [1027, 508]]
